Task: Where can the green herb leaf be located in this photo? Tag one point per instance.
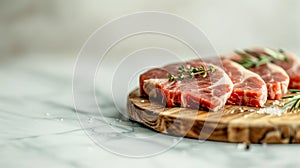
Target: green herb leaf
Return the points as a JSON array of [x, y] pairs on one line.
[[294, 90], [191, 72], [181, 68], [294, 103], [171, 77], [268, 55], [180, 76], [211, 68]]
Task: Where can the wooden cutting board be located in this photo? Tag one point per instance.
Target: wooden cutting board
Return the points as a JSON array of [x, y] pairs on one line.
[[231, 124]]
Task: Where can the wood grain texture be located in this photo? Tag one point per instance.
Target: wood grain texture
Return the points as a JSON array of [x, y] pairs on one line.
[[231, 124]]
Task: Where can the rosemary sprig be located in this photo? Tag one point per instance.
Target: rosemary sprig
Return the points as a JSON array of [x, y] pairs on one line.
[[294, 103], [266, 56], [191, 72]]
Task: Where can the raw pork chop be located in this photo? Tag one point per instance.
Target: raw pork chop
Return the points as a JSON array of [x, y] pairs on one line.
[[210, 92], [292, 68], [249, 88], [275, 77]]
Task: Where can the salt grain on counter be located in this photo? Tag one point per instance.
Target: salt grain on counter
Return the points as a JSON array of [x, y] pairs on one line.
[[243, 146], [276, 102], [264, 145], [271, 110]]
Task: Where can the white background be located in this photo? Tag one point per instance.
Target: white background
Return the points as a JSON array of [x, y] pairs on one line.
[[49, 27]]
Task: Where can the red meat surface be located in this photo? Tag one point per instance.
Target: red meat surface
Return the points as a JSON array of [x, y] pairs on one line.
[[210, 92], [276, 79], [249, 88], [292, 67]]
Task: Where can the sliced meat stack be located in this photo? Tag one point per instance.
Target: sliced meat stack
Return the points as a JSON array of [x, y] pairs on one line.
[[205, 92], [292, 67], [266, 77], [291, 64], [275, 77], [249, 88]]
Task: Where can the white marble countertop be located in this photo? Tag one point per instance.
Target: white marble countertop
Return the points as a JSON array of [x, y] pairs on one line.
[[40, 128]]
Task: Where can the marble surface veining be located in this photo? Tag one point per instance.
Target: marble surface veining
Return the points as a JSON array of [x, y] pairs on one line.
[[40, 128]]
